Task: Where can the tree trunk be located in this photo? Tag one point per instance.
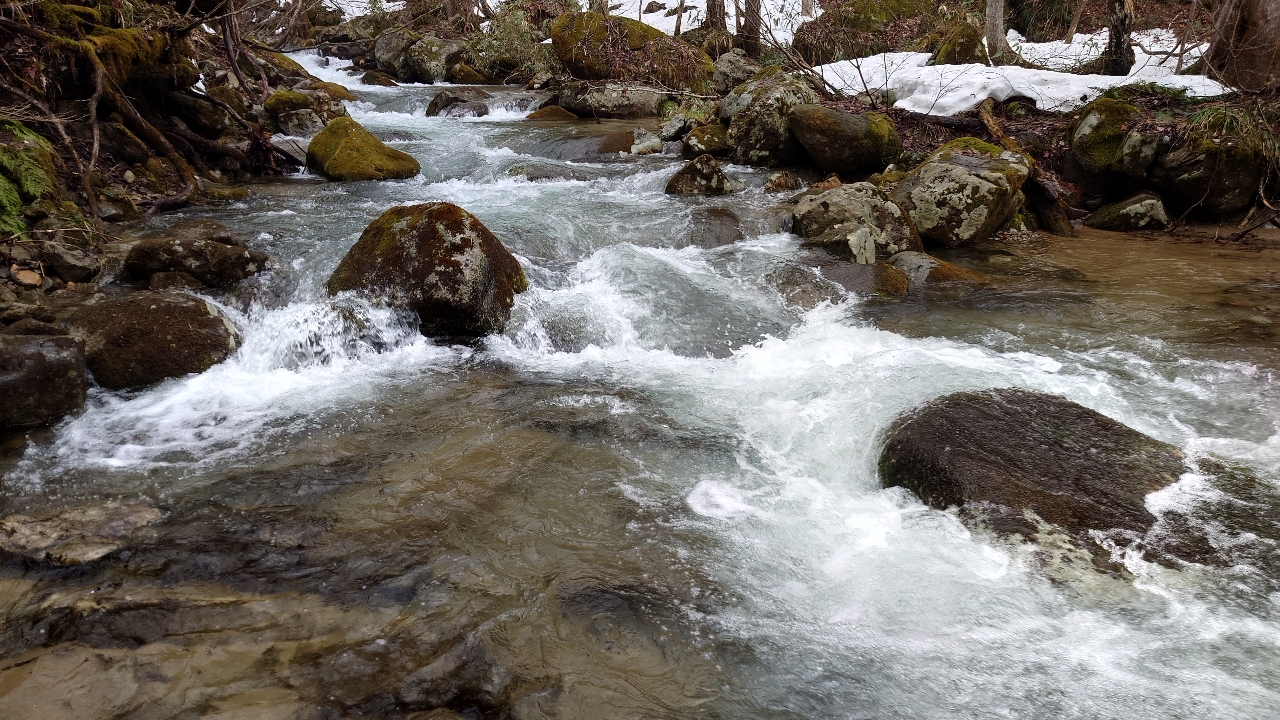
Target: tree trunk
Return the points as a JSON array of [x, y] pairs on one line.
[[1118, 58], [1245, 48], [997, 43], [751, 28], [1075, 22], [600, 6], [679, 19], [806, 8], [716, 15]]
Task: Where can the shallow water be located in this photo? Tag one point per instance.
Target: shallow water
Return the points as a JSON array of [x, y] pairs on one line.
[[655, 494]]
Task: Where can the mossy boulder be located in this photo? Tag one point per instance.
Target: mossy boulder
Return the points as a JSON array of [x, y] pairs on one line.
[[379, 79], [430, 58], [710, 140], [759, 133], [964, 192], [1140, 212], [344, 150], [446, 99], [283, 101], [464, 74], [334, 90], [439, 261], [146, 337], [204, 249], [700, 176], [612, 99], [856, 221], [42, 378], [1097, 137], [28, 172], [1027, 451], [551, 112], [732, 69], [853, 29], [594, 47], [962, 44], [845, 143], [1211, 173]]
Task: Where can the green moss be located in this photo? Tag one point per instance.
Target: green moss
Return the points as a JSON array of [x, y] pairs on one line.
[[346, 151], [122, 50], [962, 45], [335, 91], [11, 221], [283, 101], [27, 160], [968, 145], [1097, 136], [593, 47]]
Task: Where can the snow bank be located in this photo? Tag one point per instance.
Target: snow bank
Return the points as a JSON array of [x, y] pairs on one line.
[[782, 16], [951, 89]]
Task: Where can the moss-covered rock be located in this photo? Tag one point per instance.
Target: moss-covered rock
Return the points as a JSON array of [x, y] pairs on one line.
[[1141, 212], [203, 249], [962, 44], [1212, 173], [380, 79], [28, 172], [283, 101], [758, 131], [964, 193], [856, 221], [344, 150], [710, 140], [853, 29], [464, 74], [845, 143], [700, 176], [594, 47], [334, 90], [428, 60], [439, 261], [1097, 137], [146, 337]]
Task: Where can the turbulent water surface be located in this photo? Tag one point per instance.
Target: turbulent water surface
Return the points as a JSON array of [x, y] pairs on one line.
[[655, 494]]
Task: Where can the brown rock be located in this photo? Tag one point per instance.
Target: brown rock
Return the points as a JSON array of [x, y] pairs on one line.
[[551, 112], [42, 378], [701, 176]]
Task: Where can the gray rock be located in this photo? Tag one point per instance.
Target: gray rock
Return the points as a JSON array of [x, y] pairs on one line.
[[291, 147], [964, 193], [732, 69], [196, 249], [446, 99], [42, 378], [922, 269], [430, 58], [69, 263], [674, 129], [758, 130], [855, 220], [700, 176], [645, 142], [468, 109], [714, 227], [845, 143], [300, 123], [1141, 212], [611, 99], [389, 51]]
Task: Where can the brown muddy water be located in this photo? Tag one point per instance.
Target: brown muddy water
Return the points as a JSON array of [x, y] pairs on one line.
[[655, 495]]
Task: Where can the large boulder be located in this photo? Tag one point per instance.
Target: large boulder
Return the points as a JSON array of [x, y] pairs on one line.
[[146, 337], [845, 143], [446, 99], [962, 44], [439, 261], [732, 69], [964, 192], [612, 99], [1097, 138], [1140, 212], [1213, 173], [710, 140], [1023, 450], [390, 52], [758, 111], [700, 176], [430, 59], [204, 249], [855, 220], [594, 47], [42, 378], [344, 150]]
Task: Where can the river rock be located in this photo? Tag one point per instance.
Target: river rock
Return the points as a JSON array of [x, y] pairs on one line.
[[845, 143], [594, 47], [1097, 137], [700, 176], [551, 112], [612, 99], [146, 337], [32, 326], [710, 140], [674, 129], [714, 227], [858, 220], [70, 263], [922, 269], [77, 535], [783, 181], [1141, 212], [464, 74], [1023, 450], [758, 132], [1216, 175], [380, 79], [344, 150], [439, 261], [389, 51], [430, 59], [964, 193], [446, 99], [732, 69], [300, 123], [42, 378], [203, 249]]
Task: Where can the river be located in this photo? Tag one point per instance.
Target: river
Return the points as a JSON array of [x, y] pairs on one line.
[[655, 495]]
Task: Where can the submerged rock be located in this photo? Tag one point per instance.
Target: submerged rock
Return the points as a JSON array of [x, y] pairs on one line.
[[701, 176], [346, 151], [855, 220], [758, 112], [1141, 212], [1023, 450], [922, 269], [845, 143], [446, 99], [42, 378], [594, 47], [964, 193], [77, 535], [203, 249], [146, 337], [439, 261], [714, 227]]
